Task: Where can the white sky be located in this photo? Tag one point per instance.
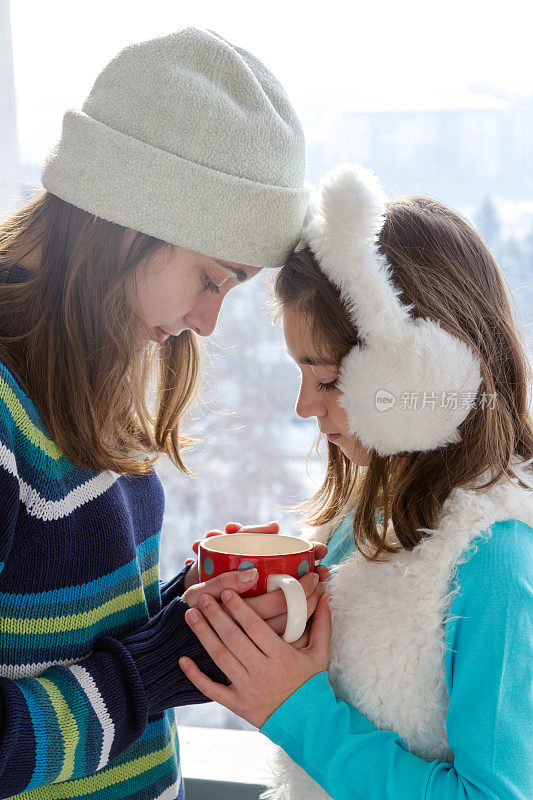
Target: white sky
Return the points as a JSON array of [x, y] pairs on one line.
[[328, 55]]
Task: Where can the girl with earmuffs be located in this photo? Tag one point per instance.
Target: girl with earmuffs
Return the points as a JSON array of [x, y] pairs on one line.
[[400, 322]]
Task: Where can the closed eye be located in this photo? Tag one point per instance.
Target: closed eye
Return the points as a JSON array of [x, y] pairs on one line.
[[210, 286], [327, 387]]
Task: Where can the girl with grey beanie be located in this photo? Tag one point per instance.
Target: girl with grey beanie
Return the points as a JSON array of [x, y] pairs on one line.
[[181, 176]]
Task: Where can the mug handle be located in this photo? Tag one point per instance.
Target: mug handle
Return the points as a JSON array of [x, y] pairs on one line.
[[296, 604]]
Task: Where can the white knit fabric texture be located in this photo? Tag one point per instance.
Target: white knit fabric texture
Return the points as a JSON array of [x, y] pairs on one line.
[[191, 140]]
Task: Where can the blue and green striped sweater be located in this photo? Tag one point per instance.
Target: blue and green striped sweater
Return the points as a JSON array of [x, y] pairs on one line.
[[86, 702]]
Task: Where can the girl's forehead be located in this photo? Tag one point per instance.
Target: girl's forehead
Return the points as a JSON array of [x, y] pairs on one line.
[[297, 330], [299, 338]]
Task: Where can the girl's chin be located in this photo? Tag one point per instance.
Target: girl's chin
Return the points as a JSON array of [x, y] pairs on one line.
[[357, 455]]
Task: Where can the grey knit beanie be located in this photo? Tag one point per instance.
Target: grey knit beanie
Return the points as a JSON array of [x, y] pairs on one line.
[[191, 140]]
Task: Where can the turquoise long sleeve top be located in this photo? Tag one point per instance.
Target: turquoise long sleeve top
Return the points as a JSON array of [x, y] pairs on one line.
[[489, 677]]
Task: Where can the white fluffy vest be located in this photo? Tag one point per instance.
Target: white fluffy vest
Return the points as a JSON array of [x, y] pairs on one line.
[[387, 642]]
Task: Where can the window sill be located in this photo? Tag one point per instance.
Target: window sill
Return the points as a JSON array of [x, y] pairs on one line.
[[220, 764]]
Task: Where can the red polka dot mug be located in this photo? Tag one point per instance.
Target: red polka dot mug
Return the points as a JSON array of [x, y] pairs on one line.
[[280, 560]]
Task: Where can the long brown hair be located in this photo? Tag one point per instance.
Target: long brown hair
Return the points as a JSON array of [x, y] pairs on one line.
[[444, 268], [80, 349]]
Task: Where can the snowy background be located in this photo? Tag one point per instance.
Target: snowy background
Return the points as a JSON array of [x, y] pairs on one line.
[[438, 99]]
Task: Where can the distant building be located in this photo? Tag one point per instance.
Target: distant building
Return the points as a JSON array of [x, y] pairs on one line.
[[459, 150], [9, 154]]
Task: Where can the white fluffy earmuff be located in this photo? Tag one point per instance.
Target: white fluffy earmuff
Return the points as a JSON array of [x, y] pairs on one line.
[[410, 384]]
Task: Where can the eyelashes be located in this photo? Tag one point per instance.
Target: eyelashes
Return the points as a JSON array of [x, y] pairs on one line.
[[210, 286], [328, 387]]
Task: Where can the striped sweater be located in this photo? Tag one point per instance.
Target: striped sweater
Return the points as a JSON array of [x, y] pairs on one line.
[[89, 639]]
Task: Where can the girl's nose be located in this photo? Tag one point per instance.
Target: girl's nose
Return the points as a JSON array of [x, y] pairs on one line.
[[203, 317], [310, 404]]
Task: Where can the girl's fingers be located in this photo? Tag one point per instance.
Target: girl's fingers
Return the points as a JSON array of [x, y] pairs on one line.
[[266, 527], [256, 628], [215, 691], [231, 636], [268, 605], [320, 632], [279, 623], [233, 527], [314, 599], [196, 542], [322, 572], [303, 641], [238, 580], [272, 604], [223, 658], [320, 550]]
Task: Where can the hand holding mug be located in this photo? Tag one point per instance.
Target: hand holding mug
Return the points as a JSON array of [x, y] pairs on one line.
[[283, 563], [262, 669], [193, 576], [239, 582], [271, 606]]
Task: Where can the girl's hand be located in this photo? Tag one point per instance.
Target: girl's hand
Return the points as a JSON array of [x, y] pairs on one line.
[[273, 609], [272, 606], [303, 641], [193, 576], [263, 670], [238, 580], [319, 549]]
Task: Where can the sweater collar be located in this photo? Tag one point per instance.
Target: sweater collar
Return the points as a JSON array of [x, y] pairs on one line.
[[11, 272]]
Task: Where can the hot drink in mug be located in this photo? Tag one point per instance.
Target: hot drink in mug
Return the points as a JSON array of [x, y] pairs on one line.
[[280, 561]]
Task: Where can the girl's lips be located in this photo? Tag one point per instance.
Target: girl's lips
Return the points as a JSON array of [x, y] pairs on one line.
[[332, 437], [160, 335]]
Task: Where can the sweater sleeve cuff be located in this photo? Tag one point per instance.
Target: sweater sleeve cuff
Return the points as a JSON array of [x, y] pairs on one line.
[[174, 587], [155, 649]]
